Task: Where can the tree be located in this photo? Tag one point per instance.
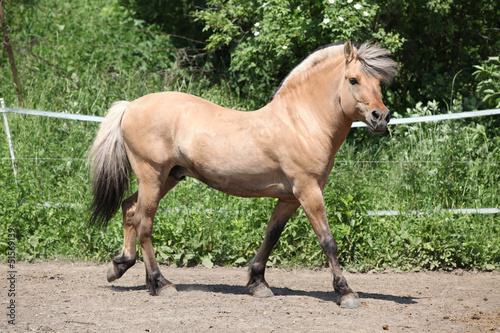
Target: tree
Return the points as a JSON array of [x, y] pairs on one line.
[[265, 40], [444, 39]]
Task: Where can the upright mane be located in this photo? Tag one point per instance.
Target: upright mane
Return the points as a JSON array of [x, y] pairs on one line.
[[375, 60]]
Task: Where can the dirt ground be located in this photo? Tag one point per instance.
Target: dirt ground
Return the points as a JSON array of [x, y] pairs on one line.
[[75, 297]]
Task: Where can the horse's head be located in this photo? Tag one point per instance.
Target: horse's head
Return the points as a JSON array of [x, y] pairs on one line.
[[361, 96]]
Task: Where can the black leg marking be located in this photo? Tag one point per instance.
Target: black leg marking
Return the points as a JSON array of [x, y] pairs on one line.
[[258, 265], [120, 265]]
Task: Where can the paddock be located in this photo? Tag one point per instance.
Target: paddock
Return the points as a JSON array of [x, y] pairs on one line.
[[57, 296]]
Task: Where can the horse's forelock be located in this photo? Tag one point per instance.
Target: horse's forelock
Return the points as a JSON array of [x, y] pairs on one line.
[[377, 62]]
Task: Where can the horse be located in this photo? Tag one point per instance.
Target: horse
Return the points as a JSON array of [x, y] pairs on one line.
[[285, 150]]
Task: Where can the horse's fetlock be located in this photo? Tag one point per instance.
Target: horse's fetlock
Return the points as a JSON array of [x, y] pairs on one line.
[[340, 285], [256, 275], [155, 275], [123, 266]]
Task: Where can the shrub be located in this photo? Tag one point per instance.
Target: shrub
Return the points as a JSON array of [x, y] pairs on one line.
[[267, 39], [488, 88]]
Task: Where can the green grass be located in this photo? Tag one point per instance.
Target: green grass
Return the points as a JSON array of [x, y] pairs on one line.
[[428, 167]]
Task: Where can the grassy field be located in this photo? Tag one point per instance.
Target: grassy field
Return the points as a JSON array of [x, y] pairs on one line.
[[427, 167]]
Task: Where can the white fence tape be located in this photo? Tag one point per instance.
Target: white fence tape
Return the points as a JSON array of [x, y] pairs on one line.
[[49, 204], [442, 211], [448, 116], [54, 114], [393, 121]]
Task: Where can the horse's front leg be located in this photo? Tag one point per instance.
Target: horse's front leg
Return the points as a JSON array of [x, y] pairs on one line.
[[312, 201], [281, 214], [126, 259]]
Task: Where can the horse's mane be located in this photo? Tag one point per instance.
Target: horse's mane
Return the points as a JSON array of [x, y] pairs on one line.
[[375, 60]]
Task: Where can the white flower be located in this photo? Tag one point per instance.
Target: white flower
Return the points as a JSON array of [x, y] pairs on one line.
[[365, 13], [264, 4], [349, 1], [357, 6], [285, 47], [256, 33], [298, 8], [341, 19], [326, 20], [331, 1], [257, 24]]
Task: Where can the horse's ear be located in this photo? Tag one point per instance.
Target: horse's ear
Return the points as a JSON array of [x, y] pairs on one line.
[[349, 51]]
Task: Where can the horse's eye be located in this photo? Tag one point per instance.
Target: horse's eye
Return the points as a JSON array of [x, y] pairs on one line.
[[353, 81]]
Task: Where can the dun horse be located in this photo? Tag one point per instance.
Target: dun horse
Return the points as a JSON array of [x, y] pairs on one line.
[[284, 150]]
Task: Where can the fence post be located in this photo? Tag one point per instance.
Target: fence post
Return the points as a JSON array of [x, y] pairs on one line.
[[13, 158], [11, 56]]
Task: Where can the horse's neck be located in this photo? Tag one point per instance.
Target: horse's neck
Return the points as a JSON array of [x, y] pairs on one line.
[[314, 106]]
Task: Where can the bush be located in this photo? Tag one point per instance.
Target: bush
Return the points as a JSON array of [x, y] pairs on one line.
[[488, 88], [267, 39]]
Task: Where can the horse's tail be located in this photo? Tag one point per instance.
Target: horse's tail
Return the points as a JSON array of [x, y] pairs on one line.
[[110, 167]]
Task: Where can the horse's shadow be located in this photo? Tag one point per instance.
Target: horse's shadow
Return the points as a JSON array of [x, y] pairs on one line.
[[327, 296]]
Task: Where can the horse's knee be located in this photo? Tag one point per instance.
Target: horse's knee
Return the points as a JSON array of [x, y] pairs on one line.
[[329, 246], [144, 235]]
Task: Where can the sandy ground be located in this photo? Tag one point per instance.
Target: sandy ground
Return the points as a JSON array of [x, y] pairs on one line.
[[75, 297]]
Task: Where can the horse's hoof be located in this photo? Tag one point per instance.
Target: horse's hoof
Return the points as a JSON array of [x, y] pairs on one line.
[[261, 291], [168, 290], [111, 273], [350, 301]]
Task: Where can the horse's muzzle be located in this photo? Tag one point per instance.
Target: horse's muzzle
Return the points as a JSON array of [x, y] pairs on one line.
[[377, 120]]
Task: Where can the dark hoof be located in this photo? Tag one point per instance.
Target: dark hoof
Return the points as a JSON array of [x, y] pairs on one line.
[[168, 290], [261, 291], [111, 273], [350, 301]]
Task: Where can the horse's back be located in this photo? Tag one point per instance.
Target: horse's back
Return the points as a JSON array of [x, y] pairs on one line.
[[168, 106], [180, 117]]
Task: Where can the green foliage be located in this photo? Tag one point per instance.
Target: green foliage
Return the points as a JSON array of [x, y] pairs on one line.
[[421, 168], [267, 39], [170, 16], [443, 40], [488, 88], [437, 42], [69, 62]]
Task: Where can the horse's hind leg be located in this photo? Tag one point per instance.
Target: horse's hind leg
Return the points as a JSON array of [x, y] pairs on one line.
[[281, 214], [126, 259], [149, 197]]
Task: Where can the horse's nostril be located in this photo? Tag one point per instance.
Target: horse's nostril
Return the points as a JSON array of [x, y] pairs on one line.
[[376, 114], [388, 117]]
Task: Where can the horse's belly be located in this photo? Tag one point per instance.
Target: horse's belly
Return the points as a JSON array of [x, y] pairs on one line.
[[254, 191], [246, 185]]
